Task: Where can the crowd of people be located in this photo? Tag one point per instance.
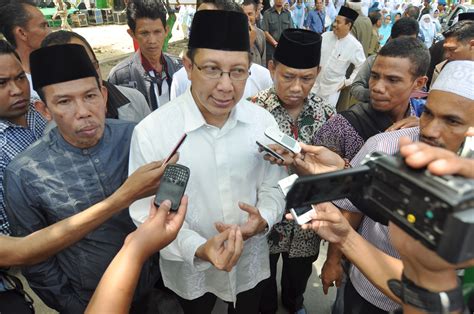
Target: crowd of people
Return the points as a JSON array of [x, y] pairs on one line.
[[82, 156]]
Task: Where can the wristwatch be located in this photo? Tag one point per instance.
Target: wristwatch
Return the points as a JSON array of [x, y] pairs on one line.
[[428, 301]]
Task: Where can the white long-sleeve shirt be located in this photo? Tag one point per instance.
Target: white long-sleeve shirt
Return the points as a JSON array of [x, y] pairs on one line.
[[336, 57], [226, 168], [258, 80]]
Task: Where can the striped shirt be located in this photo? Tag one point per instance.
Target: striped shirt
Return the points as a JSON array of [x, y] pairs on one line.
[[13, 140], [376, 233]]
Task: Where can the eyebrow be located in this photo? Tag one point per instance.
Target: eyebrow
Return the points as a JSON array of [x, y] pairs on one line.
[[445, 116], [6, 78], [66, 95], [387, 75]]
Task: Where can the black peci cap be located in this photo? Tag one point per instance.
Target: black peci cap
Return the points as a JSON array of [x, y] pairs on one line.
[[60, 63], [299, 49], [220, 30], [348, 13]]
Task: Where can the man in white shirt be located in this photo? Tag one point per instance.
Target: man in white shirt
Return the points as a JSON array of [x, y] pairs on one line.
[[232, 191], [338, 51]]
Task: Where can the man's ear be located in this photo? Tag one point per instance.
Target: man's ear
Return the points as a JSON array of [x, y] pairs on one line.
[[188, 66], [20, 34], [167, 29], [130, 32], [105, 94], [41, 107], [420, 82]]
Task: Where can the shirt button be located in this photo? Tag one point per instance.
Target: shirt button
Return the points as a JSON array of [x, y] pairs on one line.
[[96, 161], [102, 175], [85, 151]]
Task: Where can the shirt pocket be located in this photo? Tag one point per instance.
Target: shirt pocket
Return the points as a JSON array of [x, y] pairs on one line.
[[337, 65]]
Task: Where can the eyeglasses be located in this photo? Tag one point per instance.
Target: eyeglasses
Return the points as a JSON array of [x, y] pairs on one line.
[[214, 73]]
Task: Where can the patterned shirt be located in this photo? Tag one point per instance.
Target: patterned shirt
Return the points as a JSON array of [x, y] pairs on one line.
[[287, 236], [340, 136], [374, 232], [13, 140], [53, 180]]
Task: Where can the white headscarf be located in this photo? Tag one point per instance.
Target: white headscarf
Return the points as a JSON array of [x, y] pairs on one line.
[[457, 77], [426, 25]]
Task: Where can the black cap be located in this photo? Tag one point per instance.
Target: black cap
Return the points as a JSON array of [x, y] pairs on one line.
[[466, 16], [220, 30], [60, 63], [299, 49], [348, 13]]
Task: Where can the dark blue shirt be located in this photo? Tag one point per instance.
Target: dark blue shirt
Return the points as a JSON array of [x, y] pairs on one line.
[[315, 21]]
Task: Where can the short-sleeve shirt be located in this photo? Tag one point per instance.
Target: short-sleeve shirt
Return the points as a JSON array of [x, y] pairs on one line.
[[275, 23]]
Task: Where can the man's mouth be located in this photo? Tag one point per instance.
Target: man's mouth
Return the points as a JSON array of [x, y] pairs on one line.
[[430, 142], [20, 104], [88, 130], [222, 102]]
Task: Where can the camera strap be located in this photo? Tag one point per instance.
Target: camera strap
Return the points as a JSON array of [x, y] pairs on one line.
[[431, 302]]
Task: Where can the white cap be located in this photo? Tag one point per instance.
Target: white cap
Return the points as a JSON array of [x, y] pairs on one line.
[[457, 77]]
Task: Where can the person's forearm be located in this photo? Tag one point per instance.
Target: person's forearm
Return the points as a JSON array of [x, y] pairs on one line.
[[116, 288], [47, 242], [377, 266], [270, 39]]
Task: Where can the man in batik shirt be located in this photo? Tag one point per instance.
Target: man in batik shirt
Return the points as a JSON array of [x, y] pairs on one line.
[[299, 114]]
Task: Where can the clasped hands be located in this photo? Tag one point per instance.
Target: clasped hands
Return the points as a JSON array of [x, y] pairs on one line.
[[224, 249]]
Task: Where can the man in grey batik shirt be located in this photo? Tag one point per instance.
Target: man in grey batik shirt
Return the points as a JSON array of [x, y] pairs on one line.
[[79, 163]]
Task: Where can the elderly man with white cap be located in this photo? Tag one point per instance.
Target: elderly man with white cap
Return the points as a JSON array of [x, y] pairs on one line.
[[449, 112]]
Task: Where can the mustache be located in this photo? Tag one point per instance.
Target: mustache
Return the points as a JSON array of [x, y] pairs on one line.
[[431, 142]]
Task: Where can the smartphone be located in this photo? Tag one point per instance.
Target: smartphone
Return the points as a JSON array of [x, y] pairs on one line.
[[269, 151], [172, 185], [283, 140], [467, 148], [175, 149], [302, 214]]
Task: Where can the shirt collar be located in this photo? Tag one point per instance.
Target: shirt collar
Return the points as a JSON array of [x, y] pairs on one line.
[[147, 65], [32, 117], [193, 118]]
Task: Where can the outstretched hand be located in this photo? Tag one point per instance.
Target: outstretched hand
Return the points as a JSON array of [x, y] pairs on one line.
[[158, 230], [317, 159], [328, 222], [439, 161], [143, 182]]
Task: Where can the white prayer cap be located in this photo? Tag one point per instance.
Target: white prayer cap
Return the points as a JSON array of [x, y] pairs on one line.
[[457, 77]]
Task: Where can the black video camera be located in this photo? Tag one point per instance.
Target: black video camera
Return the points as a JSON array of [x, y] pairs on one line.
[[437, 210]]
